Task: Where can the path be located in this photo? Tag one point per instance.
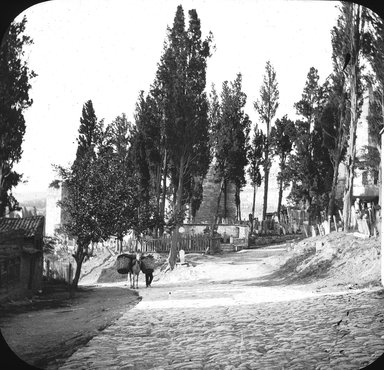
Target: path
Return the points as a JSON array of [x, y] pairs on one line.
[[240, 323]]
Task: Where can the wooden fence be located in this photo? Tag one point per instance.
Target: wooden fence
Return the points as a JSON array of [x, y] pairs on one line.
[[58, 270], [189, 243]]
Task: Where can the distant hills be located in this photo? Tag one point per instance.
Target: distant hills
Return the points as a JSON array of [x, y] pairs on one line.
[[38, 203], [30, 196], [33, 199]]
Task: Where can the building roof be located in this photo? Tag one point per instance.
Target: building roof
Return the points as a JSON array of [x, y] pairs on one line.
[[30, 225]]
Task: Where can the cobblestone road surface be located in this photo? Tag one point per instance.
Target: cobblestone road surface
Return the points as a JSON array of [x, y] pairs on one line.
[[208, 325]]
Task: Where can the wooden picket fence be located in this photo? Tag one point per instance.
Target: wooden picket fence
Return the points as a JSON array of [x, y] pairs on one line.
[[58, 270], [189, 243]]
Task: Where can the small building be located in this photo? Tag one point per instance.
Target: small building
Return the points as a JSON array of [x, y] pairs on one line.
[[21, 256]]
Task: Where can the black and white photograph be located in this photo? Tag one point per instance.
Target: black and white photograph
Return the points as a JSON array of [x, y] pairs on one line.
[[191, 184]]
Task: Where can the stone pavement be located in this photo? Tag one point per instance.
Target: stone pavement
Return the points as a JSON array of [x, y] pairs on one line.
[[206, 325]]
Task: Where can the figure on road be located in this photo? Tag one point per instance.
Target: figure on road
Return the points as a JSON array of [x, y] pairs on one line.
[[147, 267]]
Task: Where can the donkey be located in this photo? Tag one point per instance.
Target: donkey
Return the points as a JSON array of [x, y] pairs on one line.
[[134, 270]]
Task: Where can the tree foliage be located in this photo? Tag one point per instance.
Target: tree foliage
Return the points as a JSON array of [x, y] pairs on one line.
[[230, 130], [309, 166], [282, 136], [255, 156], [182, 79], [116, 182], [101, 188], [255, 161], [148, 153], [374, 51], [15, 76], [350, 35], [266, 108], [81, 203]]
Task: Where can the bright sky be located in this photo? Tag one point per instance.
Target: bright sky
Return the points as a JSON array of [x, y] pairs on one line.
[[108, 50]]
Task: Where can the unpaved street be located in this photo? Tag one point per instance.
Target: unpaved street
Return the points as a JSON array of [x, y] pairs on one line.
[[235, 316]]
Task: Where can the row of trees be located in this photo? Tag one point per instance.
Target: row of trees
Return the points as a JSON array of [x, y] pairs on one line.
[[103, 197], [15, 76], [124, 174], [310, 150]]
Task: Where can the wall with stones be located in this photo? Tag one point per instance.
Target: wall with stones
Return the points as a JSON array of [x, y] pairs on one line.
[[362, 139], [211, 190], [53, 211]]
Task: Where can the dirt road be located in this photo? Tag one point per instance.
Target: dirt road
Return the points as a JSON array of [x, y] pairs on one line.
[[210, 300], [51, 329], [235, 312]]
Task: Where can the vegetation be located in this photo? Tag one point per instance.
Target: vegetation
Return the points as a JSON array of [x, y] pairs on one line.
[[282, 137], [15, 76], [124, 174], [352, 19], [182, 79], [266, 108], [230, 136], [255, 160]]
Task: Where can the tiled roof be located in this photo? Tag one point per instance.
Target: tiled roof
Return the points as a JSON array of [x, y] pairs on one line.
[[30, 225]]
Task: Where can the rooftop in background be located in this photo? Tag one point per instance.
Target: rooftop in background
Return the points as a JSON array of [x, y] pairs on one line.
[[30, 225]]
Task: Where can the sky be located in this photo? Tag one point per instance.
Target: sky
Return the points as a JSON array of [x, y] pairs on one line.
[[107, 51]]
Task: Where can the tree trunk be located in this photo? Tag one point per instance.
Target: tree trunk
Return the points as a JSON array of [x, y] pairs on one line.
[[380, 148], [254, 201], [355, 33], [218, 202], [164, 190], [381, 214], [379, 180], [253, 206], [332, 194], [178, 207], [158, 195], [190, 212], [266, 181], [238, 209], [2, 206], [280, 198], [79, 258], [225, 198]]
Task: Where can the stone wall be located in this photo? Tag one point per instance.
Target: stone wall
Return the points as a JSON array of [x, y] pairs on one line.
[[53, 211], [55, 217], [363, 138], [236, 231], [211, 190]]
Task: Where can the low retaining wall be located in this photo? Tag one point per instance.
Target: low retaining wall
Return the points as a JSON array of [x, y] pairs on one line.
[[227, 248], [274, 239]]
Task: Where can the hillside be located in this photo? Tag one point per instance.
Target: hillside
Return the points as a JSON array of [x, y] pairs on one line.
[[331, 262], [337, 259]]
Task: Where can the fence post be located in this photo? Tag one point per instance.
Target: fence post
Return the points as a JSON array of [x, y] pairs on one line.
[[69, 273], [48, 271]]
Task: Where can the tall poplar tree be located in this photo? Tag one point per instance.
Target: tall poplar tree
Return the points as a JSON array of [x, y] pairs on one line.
[[148, 148], [334, 123], [309, 166], [266, 108], [282, 136], [116, 182], [232, 139], [373, 48], [351, 24], [255, 160], [81, 204], [182, 78], [15, 76]]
